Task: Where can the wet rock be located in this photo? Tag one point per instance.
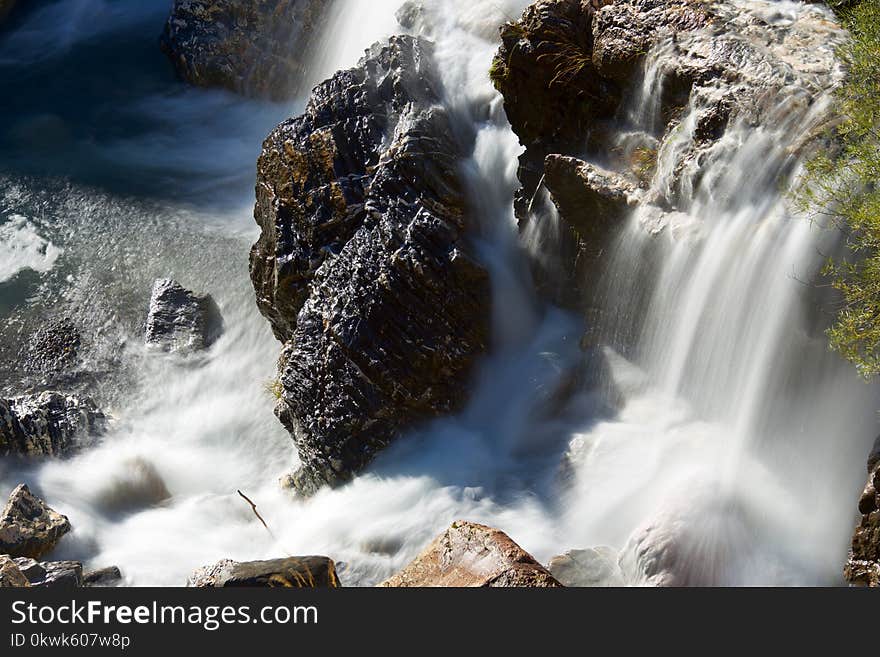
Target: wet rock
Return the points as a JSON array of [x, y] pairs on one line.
[[10, 574], [648, 89], [132, 485], [180, 320], [594, 567], [52, 574], [52, 348], [29, 528], [103, 578], [293, 572], [253, 47], [48, 424], [863, 566], [363, 265], [472, 555]]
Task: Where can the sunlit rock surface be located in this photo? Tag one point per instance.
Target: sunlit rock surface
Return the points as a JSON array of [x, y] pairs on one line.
[[863, 567], [293, 572], [472, 555], [48, 424], [363, 266], [180, 320], [28, 527]]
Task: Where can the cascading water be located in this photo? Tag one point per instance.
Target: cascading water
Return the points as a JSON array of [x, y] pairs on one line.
[[737, 441]]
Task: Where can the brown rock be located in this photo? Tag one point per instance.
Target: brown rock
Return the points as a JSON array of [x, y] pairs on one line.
[[471, 555], [11, 575], [29, 528], [863, 567]]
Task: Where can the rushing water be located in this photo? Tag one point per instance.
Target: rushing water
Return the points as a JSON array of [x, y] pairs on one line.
[[736, 441]]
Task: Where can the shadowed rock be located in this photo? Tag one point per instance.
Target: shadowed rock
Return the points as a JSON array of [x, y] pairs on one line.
[[472, 555], [52, 574], [863, 566], [253, 47], [104, 577], [294, 572], [362, 266], [180, 320], [48, 424], [10, 574], [29, 528]]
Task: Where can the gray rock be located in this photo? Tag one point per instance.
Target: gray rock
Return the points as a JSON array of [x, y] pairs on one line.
[[253, 47], [103, 578], [48, 424], [52, 574], [10, 574], [362, 267], [180, 320], [29, 528], [594, 567], [293, 572], [52, 348]]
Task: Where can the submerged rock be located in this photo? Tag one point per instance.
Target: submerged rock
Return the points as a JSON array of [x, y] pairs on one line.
[[595, 567], [10, 574], [180, 320], [293, 572], [253, 47], [472, 555], [863, 566], [48, 424], [28, 527], [362, 266], [53, 348]]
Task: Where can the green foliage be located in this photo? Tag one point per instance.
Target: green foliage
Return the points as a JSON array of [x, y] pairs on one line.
[[275, 388], [843, 181]]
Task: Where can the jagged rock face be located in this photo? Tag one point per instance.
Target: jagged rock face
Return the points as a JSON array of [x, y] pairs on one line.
[[644, 92], [180, 320], [362, 267], [29, 528], [472, 555], [293, 572], [863, 567], [48, 424], [51, 574], [253, 47]]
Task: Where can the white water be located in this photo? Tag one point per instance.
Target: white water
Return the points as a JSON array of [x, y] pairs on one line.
[[740, 441]]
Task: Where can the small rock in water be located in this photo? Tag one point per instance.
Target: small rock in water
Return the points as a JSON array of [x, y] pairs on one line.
[[104, 577], [180, 320], [48, 424], [11, 575], [294, 572], [29, 528], [471, 555], [52, 348], [136, 485], [594, 567]]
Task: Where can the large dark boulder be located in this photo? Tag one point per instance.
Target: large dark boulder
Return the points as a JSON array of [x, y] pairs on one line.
[[253, 47], [363, 265], [29, 528], [292, 572], [863, 566], [180, 320], [48, 424]]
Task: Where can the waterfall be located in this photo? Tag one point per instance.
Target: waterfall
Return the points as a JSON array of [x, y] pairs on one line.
[[724, 440]]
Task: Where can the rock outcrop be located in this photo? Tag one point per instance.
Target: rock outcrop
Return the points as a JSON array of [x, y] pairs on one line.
[[630, 99], [103, 577], [253, 47], [29, 528], [863, 567], [48, 424], [293, 572], [180, 320], [472, 555], [362, 267]]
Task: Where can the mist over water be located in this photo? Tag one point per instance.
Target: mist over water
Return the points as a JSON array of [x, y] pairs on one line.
[[734, 442]]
